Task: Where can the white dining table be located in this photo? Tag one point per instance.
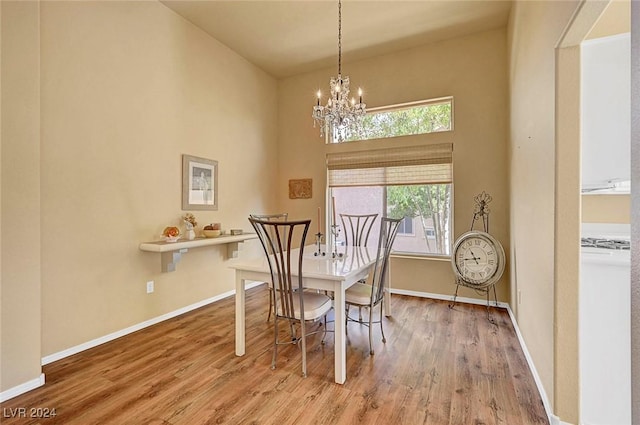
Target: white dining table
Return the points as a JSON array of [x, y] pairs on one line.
[[318, 272]]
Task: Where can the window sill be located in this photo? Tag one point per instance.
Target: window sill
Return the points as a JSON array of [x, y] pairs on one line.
[[413, 256]]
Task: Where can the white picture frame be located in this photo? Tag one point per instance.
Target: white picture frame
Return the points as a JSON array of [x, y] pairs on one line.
[[199, 183]]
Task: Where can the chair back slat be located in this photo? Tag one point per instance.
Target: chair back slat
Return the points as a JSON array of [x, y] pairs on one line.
[[279, 239], [279, 217], [357, 228], [388, 231]]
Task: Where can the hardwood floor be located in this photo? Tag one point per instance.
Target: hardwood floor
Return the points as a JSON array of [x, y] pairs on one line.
[[439, 366]]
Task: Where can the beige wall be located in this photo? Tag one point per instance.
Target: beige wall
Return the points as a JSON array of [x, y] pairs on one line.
[[21, 194], [1, 343], [534, 30], [606, 209], [126, 89], [545, 99], [472, 70]]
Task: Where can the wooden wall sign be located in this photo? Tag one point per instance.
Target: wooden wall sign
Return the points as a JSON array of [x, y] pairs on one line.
[[300, 188]]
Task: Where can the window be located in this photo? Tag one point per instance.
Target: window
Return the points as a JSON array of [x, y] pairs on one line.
[[412, 182], [406, 226], [422, 117]]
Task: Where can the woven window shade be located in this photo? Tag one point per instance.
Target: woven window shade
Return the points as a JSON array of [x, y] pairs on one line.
[[430, 164]]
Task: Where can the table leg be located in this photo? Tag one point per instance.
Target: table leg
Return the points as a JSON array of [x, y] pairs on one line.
[[340, 337], [240, 308]]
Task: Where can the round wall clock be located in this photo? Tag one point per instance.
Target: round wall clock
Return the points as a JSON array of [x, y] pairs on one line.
[[478, 259]]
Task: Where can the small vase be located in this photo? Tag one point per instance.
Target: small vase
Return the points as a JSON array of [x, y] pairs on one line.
[[191, 234]]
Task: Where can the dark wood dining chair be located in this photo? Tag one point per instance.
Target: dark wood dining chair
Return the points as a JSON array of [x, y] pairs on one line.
[[372, 294], [270, 217], [283, 244]]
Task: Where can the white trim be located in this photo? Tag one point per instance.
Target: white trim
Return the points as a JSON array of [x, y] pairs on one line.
[[22, 388], [447, 297], [553, 420], [110, 337]]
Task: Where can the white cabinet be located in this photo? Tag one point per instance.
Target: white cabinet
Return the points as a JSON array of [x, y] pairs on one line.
[[606, 114]]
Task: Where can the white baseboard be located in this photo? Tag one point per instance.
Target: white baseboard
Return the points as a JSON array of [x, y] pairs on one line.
[[465, 300], [22, 388], [553, 419], [110, 337]]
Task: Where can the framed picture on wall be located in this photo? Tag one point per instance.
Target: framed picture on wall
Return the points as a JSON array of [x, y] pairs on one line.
[[300, 188], [199, 183]]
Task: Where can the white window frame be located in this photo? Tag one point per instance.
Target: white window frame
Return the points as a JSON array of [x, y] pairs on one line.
[[329, 134]]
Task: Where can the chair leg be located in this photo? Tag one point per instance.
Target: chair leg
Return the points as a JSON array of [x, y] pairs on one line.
[[275, 342], [346, 321], [324, 333], [270, 304], [384, 340], [370, 332], [293, 331]]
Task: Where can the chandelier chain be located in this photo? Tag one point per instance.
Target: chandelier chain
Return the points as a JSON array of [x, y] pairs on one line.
[[339, 37]]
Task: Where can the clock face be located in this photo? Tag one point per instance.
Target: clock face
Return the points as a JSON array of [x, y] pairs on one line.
[[478, 258]]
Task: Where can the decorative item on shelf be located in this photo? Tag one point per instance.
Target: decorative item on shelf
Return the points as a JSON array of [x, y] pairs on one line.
[[212, 230], [236, 232], [171, 234], [478, 259], [341, 115], [190, 223]]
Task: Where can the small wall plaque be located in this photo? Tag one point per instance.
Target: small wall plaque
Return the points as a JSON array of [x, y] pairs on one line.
[[300, 188]]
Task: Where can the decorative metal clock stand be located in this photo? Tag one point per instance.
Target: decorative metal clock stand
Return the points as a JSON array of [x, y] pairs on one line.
[[478, 259]]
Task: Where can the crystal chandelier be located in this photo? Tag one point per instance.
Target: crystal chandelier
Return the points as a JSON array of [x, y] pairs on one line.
[[341, 115]]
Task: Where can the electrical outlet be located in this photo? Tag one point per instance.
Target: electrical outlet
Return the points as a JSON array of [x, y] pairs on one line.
[[149, 286]]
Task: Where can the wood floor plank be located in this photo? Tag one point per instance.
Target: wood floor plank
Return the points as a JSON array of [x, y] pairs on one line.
[[439, 366]]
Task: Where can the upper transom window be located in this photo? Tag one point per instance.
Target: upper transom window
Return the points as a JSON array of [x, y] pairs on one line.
[[427, 116]]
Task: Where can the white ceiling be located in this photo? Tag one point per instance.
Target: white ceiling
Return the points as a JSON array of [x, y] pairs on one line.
[[290, 37]]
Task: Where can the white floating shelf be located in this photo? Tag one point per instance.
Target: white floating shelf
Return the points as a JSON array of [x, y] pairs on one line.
[[171, 252]]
